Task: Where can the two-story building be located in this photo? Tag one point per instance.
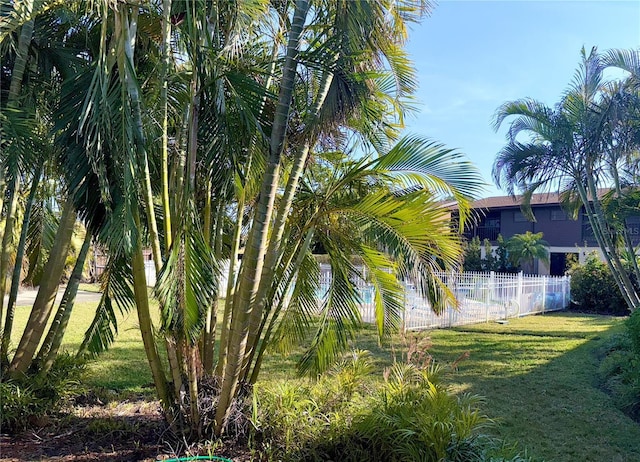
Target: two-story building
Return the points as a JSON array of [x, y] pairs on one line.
[[566, 237]]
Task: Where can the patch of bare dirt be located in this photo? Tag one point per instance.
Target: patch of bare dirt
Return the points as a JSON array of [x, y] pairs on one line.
[[114, 432]]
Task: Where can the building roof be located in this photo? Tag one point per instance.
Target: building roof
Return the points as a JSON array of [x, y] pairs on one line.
[[547, 198], [511, 201]]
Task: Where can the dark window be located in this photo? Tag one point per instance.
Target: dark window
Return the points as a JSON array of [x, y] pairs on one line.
[[519, 217], [558, 215], [587, 231]]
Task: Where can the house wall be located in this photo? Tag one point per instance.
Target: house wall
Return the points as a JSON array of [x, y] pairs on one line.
[[557, 232], [564, 235]]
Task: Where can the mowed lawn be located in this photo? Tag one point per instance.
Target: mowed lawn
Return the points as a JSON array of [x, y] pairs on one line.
[[537, 375]]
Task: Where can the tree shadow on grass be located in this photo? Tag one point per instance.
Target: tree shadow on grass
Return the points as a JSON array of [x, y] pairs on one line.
[[542, 390]]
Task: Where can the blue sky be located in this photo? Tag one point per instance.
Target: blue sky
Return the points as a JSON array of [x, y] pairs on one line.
[[472, 56]]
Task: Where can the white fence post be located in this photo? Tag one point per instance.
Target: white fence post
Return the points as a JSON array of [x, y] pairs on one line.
[[520, 293], [544, 293]]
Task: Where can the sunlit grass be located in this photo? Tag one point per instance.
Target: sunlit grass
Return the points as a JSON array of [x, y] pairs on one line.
[[538, 377]]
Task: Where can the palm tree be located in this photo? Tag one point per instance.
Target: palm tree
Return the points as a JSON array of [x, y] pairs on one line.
[[525, 248], [568, 149], [380, 44], [370, 210], [30, 99], [245, 113]]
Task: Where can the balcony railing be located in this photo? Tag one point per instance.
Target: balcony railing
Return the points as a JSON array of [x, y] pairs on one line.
[[486, 232]]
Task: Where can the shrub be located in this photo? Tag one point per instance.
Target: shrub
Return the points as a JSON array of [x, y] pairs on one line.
[[619, 370], [414, 418], [25, 402], [594, 290], [346, 416]]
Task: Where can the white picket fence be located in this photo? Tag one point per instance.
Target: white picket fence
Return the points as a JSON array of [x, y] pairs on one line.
[[481, 297]]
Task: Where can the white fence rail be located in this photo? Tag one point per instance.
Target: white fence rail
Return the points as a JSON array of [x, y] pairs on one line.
[[482, 297]]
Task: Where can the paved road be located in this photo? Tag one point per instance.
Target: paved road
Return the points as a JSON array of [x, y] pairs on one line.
[[26, 297]]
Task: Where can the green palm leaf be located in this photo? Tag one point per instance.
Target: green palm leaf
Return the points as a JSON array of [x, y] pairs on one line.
[[187, 284], [339, 317], [117, 293]]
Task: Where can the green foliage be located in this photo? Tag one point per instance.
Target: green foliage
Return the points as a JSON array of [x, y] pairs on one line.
[[493, 260], [25, 402], [523, 249], [593, 288], [578, 146], [409, 417], [472, 255], [502, 262], [490, 260], [633, 329], [413, 418], [619, 370]]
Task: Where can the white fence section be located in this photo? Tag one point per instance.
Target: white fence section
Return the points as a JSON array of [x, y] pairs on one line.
[[481, 297]]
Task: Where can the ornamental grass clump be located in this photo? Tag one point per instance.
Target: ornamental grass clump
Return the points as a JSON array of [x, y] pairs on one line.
[[27, 401], [347, 416]]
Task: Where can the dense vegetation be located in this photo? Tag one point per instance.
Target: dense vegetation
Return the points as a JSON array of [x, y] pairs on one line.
[[205, 130], [593, 288], [515, 254], [620, 367]]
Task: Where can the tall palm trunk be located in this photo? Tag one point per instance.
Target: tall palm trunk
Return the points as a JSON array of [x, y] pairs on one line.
[[17, 267], [273, 322], [274, 250], [252, 262], [164, 164], [208, 340], [231, 283], [144, 319], [13, 101], [235, 242], [7, 237], [625, 234], [626, 286], [43, 304], [49, 349], [600, 237], [129, 27]]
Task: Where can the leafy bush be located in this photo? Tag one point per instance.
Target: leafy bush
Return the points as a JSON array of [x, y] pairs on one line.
[[291, 417], [413, 418], [633, 330], [25, 402], [619, 370], [594, 290], [345, 416]]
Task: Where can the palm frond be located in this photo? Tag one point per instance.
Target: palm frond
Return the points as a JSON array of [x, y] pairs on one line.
[[301, 307], [339, 317], [388, 291], [187, 284], [117, 293]]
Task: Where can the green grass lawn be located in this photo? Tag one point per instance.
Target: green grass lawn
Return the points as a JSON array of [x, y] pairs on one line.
[[537, 374]]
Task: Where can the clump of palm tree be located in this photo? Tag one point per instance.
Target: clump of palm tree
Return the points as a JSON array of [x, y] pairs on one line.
[[524, 249], [587, 142], [195, 129]]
